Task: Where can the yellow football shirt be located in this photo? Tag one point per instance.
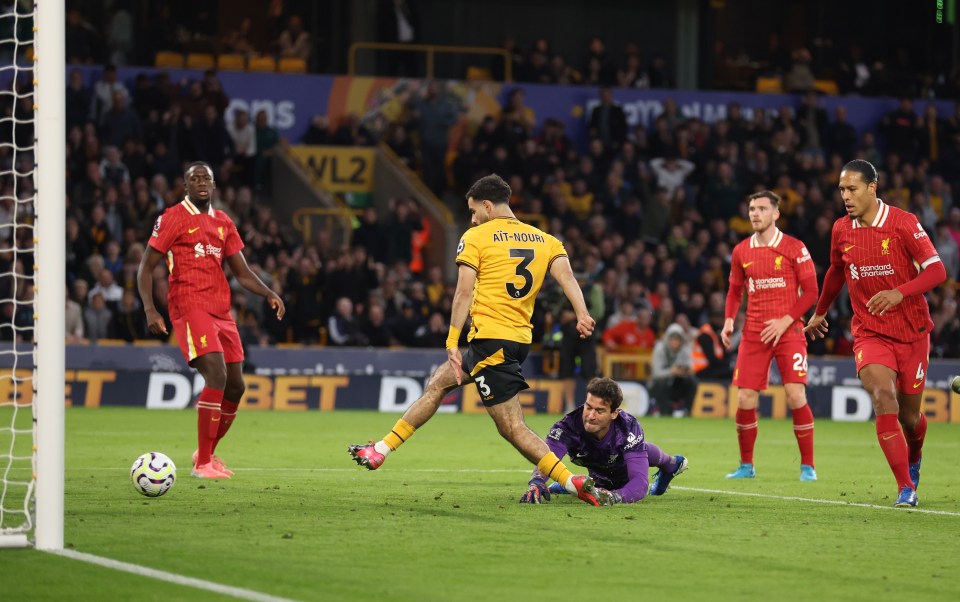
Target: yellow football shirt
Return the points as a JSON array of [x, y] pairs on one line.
[[512, 260]]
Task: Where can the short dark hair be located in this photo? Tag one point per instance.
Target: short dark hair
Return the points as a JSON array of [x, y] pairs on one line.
[[607, 390], [197, 164], [491, 188], [864, 168], [766, 194]]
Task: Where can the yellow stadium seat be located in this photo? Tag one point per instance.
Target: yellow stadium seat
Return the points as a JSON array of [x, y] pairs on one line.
[[230, 62], [111, 342], [200, 60], [147, 343], [769, 85], [290, 64], [479, 74], [827, 86], [263, 63], [168, 60]]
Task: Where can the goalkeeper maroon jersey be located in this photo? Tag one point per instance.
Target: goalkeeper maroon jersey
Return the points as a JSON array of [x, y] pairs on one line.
[[195, 245]]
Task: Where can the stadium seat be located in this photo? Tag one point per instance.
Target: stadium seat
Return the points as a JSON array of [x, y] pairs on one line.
[[147, 343], [200, 60], [262, 63], [479, 74], [290, 64], [827, 86], [168, 60], [111, 342], [231, 62], [769, 85]]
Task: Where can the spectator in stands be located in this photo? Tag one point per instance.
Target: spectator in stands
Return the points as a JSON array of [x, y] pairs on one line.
[[112, 169], [434, 113], [78, 100], [211, 139], [73, 321], [608, 122], [841, 136], [672, 384], [710, 359], [294, 41], [343, 328], [398, 22], [671, 171], [105, 92], [433, 334], [799, 77], [107, 288], [660, 76], [128, 324], [80, 38], [947, 248], [375, 328], [120, 34], [267, 140], [244, 137], [403, 326], [240, 40], [399, 142], [120, 122], [403, 221], [901, 131], [304, 293], [98, 319], [632, 331]]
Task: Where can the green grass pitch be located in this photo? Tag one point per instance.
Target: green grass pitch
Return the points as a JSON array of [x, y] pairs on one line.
[[440, 521]]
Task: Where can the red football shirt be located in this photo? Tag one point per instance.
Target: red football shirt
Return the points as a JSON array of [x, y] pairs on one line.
[[195, 244], [881, 257], [771, 274]]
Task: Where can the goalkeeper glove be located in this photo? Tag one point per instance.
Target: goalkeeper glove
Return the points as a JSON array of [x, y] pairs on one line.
[[607, 497], [537, 492]]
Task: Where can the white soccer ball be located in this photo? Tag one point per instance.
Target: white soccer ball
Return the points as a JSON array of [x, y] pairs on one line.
[[153, 474]]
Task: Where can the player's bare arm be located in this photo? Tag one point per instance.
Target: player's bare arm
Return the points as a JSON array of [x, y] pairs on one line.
[[251, 282], [563, 273], [149, 262], [726, 331], [462, 299], [884, 301]]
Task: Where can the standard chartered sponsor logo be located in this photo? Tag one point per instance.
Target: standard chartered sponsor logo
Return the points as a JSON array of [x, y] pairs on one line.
[[768, 283], [870, 271]]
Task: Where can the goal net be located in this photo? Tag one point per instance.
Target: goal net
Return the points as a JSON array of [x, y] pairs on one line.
[[32, 286]]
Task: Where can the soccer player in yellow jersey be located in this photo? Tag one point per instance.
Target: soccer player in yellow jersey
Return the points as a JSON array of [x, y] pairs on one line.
[[502, 265]]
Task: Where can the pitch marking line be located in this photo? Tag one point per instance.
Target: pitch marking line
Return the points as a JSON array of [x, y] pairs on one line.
[[814, 500], [210, 586]]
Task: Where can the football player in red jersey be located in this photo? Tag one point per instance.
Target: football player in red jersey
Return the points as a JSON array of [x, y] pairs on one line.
[[781, 284], [195, 238], [888, 263]]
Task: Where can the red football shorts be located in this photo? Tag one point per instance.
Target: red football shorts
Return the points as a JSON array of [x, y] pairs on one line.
[[754, 357], [908, 360], [200, 332]]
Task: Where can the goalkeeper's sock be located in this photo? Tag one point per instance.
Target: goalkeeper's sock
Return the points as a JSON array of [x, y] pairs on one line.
[[208, 422], [228, 413], [551, 466], [660, 458], [402, 431]]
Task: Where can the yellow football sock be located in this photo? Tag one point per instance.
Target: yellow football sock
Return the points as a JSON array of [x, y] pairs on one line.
[[402, 431], [551, 466]]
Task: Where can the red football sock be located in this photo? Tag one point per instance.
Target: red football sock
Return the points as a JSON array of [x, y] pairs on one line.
[[228, 413], [208, 421], [803, 431], [915, 437], [746, 434], [894, 447]]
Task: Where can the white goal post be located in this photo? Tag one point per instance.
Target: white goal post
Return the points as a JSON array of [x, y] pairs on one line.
[[43, 487]]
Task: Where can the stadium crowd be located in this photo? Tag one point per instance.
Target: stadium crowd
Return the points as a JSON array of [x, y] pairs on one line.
[[648, 216]]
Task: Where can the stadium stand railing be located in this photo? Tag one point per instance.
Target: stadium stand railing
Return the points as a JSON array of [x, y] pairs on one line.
[[430, 50]]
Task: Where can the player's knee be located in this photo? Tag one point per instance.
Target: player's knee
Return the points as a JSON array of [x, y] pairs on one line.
[[234, 391], [215, 376], [796, 400], [746, 399]]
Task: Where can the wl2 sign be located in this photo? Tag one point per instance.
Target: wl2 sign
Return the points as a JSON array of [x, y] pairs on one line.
[[337, 168]]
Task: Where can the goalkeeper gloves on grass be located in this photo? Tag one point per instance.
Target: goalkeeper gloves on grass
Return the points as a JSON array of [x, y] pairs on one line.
[[536, 493]]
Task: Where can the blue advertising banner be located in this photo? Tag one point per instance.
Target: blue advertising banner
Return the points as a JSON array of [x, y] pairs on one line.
[[327, 379], [291, 101]]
